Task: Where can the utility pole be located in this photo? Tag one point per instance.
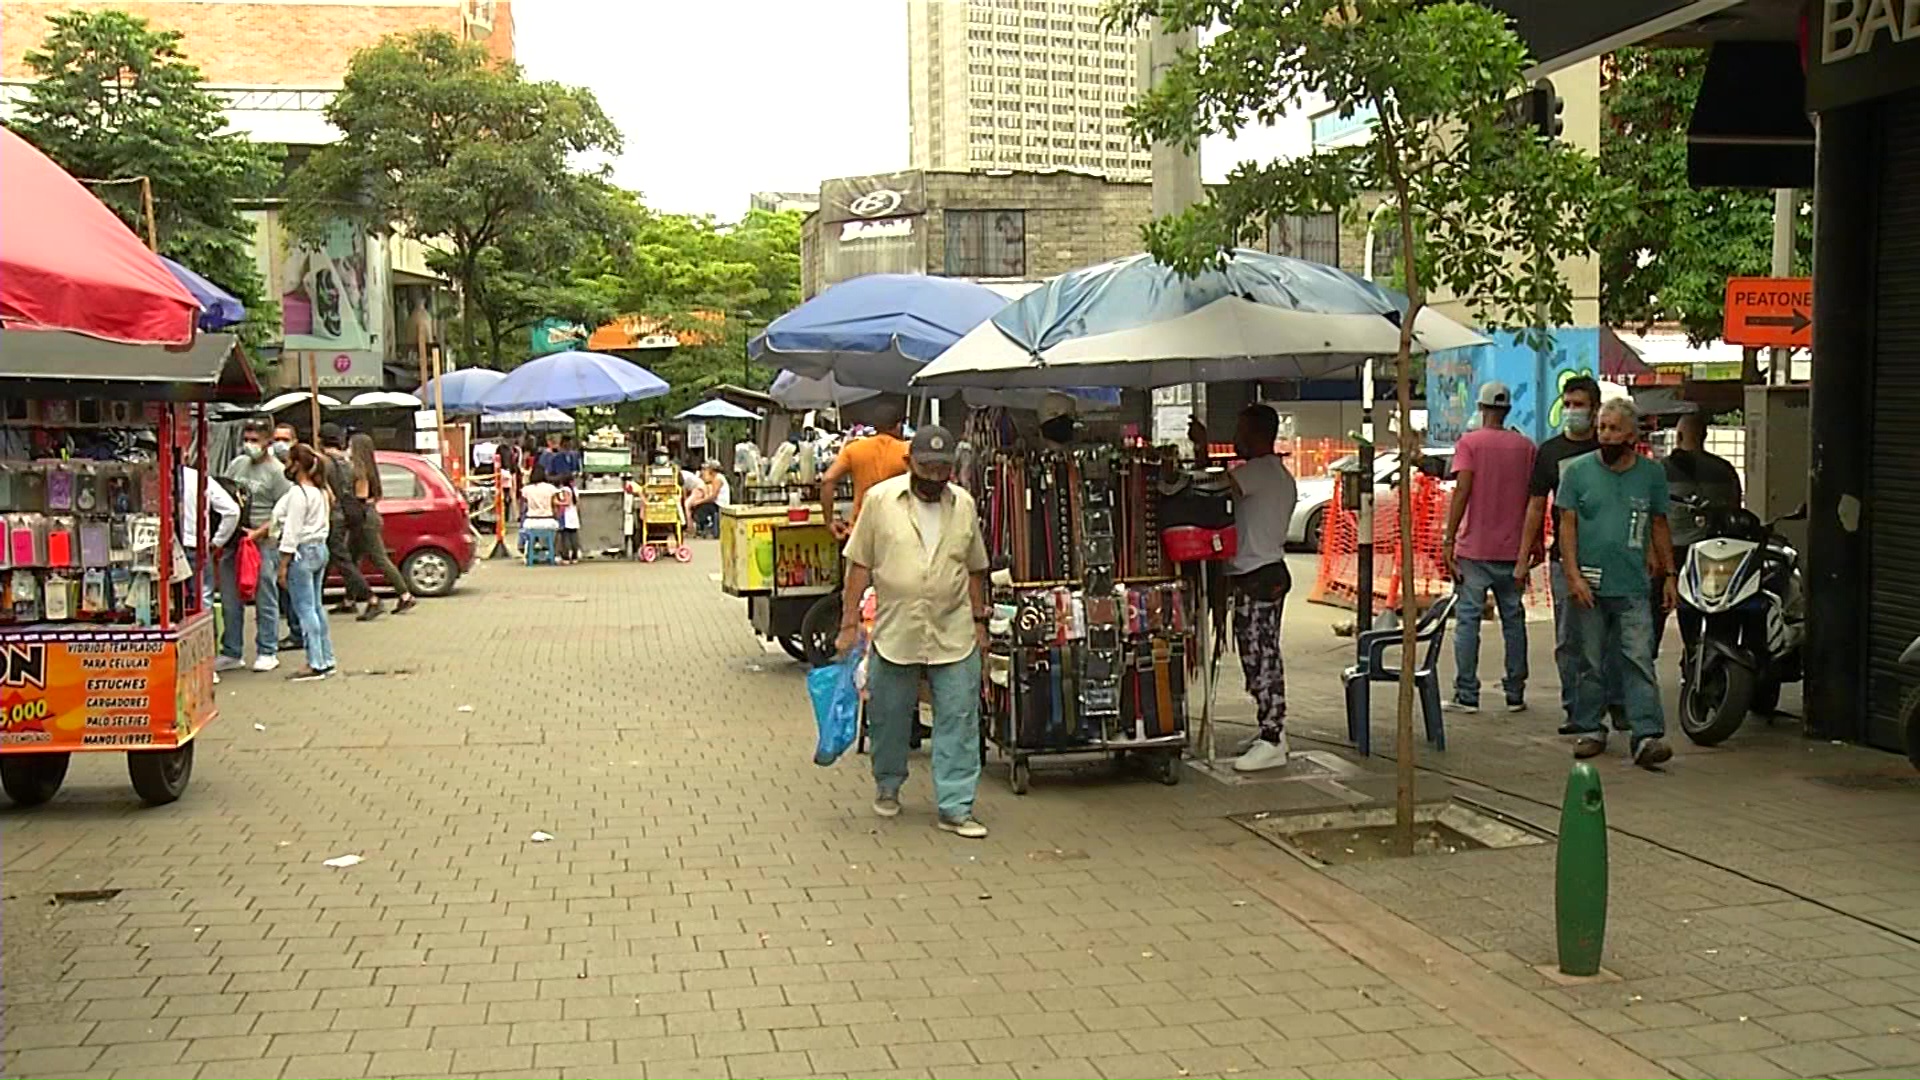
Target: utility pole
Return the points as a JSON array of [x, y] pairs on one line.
[[1176, 173], [1785, 209]]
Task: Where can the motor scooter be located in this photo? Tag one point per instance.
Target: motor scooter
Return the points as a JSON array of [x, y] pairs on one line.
[[1743, 581]]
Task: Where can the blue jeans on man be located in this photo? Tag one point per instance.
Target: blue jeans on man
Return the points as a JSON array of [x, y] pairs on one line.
[[266, 601], [893, 707], [1477, 577], [1571, 662], [1617, 630]]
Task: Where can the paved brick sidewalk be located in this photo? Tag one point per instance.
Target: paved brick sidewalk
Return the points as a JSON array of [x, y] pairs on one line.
[[1765, 894], [711, 904]]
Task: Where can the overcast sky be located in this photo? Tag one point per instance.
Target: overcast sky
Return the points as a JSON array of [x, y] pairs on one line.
[[722, 98]]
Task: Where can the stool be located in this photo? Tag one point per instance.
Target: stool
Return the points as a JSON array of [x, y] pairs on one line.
[[538, 545], [1431, 630]]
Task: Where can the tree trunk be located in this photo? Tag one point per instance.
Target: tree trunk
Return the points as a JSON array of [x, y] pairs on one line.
[[469, 339], [1409, 447]]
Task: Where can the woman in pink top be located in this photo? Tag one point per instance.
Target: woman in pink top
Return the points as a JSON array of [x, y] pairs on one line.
[[1492, 464]]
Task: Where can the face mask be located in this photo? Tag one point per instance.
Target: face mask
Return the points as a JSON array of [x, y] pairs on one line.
[[1611, 453], [929, 490], [1059, 429], [256, 451], [280, 448], [1578, 421]]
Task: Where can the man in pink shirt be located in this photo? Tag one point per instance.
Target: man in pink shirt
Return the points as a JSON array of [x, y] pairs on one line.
[[1492, 464]]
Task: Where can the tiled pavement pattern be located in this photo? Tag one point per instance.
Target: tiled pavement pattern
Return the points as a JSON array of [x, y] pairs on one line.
[[714, 905], [1737, 877]]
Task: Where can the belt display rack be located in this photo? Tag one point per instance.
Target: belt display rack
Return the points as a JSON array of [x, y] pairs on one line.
[[1091, 636]]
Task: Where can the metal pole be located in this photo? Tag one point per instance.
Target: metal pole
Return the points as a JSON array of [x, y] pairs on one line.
[[313, 398], [440, 415], [1363, 550], [1785, 206]]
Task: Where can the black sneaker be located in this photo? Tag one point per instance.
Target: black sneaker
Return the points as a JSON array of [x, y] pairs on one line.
[[1590, 746], [1652, 751]]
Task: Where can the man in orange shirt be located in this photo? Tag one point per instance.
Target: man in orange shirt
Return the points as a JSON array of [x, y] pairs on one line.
[[880, 456]]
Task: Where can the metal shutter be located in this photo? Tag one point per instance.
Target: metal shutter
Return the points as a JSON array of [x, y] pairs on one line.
[[1893, 475]]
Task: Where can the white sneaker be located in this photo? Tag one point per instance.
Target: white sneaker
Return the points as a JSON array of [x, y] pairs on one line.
[[266, 663], [228, 663], [966, 827], [1455, 705], [1263, 755]]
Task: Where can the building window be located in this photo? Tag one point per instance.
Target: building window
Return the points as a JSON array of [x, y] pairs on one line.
[[986, 243], [1313, 237]]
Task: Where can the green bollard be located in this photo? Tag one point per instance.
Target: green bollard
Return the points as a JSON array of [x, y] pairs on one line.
[[1580, 875]]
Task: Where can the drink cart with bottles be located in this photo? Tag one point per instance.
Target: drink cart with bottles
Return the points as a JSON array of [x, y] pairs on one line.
[[107, 643]]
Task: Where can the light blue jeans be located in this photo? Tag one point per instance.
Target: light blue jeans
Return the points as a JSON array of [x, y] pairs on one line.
[[304, 580], [1617, 631], [266, 601], [1476, 578], [893, 704], [1568, 658]]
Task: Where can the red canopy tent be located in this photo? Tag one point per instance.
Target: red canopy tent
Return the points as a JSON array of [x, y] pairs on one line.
[[68, 263]]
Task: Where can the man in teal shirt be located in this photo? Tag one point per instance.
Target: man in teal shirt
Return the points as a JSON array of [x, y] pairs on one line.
[[1613, 531]]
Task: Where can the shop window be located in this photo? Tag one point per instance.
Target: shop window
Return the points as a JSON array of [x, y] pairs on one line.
[[986, 243]]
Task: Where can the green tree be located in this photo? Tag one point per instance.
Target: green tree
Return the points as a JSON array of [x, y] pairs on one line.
[[114, 99], [1492, 206], [1667, 253], [440, 141], [566, 269]]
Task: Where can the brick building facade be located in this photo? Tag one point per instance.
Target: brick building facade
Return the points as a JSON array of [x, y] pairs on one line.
[[290, 45]]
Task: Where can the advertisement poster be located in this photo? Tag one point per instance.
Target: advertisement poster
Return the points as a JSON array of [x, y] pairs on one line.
[[330, 292], [87, 689], [806, 560]]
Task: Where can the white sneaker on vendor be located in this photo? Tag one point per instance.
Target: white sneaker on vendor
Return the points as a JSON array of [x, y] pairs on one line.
[[266, 663], [1263, 755]]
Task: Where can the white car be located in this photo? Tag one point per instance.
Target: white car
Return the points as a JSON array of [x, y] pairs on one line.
[[1316, 492]]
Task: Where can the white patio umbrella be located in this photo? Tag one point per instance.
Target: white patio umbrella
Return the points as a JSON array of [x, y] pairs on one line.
[[385, 399], [296, 397]]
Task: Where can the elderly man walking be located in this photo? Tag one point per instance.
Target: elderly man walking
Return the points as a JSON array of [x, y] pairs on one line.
[[918, 541], [1613, 530]]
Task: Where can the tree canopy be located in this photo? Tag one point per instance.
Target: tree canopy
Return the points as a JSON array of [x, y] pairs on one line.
[[114, 99], [1667, 253], [438, 140]]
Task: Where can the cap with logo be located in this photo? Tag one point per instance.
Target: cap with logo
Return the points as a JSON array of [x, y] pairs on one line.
[[1494, 395], [932, 445]]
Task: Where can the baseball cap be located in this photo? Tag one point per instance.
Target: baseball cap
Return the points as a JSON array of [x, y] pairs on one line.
[[1494, 394], [1056, 405], [932, 445]]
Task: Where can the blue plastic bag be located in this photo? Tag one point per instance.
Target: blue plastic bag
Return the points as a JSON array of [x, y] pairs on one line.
[[836, 705]]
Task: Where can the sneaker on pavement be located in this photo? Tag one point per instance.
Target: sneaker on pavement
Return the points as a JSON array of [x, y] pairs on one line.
[[310, 674], [1455, 705], [228, 663], [1568, 728], [1263, 755], [1516, 706], [886, 805], [1587, 746], [965, 826], [1653, 750], [266, 663]]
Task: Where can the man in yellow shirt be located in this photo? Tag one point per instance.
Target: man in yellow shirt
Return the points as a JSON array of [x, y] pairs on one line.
[[880, 456], [919, 543]]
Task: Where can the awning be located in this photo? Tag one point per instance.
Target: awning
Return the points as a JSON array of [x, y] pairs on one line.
[[213, 366], [1749, 126]]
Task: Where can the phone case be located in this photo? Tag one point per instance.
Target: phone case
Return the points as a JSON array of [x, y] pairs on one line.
[[94, 550], [61, 543], [59, 489]]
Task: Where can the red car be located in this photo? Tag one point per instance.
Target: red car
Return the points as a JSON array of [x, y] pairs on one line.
[[425, 519]]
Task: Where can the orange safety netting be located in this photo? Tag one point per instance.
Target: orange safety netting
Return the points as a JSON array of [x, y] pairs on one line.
[[1337, 582]]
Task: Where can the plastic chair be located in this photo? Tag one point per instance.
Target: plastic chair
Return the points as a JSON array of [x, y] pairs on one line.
[[539, 546], [1430, 631]]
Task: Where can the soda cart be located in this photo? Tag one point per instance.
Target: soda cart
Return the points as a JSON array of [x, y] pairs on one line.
[[786, 563], [106, 642]]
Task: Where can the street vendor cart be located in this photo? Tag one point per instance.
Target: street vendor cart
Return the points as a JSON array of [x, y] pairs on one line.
[[786, 563], [107, 643]]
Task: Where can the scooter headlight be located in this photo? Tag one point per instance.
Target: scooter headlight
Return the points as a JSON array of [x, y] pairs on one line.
[[1716, 575]]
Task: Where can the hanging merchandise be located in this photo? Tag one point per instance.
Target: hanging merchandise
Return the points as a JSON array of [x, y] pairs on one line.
[[1092, 633]]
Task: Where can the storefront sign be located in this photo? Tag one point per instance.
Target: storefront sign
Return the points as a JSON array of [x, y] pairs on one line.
[[86, 689], [696, 435], [865, 198], [1864, 49], [1764, 312], [873, 230]]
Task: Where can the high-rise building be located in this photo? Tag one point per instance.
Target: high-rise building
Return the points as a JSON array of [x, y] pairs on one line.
[[1022, 84]]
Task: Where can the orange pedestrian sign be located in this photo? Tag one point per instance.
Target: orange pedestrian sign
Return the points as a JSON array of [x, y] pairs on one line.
[[1769, 312]]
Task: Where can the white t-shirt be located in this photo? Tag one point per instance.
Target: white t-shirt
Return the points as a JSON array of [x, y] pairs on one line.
[[483, 453], [539, 500], [304, 511], [1262, 510], [931, 516]]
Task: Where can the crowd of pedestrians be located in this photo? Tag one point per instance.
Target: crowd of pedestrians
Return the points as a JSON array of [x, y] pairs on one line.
[[1612, 561]]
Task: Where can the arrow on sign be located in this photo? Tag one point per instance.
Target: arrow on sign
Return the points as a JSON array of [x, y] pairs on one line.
[[1798, 321]]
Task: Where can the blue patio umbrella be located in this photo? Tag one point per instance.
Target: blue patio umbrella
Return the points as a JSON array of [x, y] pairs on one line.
[[717, 410], [218, 308], [460, 391], [568, 380], [875, 331]]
